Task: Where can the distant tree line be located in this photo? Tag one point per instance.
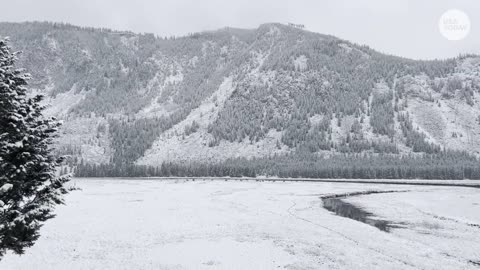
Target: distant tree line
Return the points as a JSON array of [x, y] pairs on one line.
[[445, 165]]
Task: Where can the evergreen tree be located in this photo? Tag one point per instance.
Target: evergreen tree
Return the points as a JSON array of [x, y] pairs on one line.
[[29, 187]]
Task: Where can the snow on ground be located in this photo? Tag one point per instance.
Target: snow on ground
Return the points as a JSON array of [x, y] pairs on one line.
[[432, 219], [177, 224]]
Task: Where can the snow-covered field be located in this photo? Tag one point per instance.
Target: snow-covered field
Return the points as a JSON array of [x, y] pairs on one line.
[[178, 224]]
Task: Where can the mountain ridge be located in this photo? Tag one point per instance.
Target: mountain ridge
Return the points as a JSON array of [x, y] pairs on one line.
[[243, 93]]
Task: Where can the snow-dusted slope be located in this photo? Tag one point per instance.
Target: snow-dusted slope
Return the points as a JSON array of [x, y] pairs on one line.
[[175, 145], [450, 120], [247, 93]]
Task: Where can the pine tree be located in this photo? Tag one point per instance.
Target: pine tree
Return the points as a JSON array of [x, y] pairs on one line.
[[29, 186]]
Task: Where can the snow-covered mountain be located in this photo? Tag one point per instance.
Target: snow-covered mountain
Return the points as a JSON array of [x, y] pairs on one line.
[[277, 89]]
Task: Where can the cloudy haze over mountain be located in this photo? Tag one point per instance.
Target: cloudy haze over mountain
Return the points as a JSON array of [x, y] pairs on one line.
[[406, 28]]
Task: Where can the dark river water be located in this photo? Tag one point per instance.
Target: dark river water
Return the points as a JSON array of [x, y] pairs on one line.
[[348, 210]]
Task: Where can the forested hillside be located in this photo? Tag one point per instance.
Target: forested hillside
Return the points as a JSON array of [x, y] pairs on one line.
[[247, 97]]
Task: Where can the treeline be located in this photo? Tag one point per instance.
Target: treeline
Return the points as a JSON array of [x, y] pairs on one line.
[[446, 165], [382, 113]]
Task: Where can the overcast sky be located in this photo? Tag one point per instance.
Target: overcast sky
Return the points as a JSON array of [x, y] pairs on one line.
[[402, 27]]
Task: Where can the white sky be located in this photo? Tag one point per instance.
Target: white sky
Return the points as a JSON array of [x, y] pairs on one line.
[[402, 27]]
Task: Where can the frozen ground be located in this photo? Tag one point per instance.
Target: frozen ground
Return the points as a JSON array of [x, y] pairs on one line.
[[178, 224]]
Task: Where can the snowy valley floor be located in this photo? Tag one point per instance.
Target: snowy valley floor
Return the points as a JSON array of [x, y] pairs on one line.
[[178, 224]]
